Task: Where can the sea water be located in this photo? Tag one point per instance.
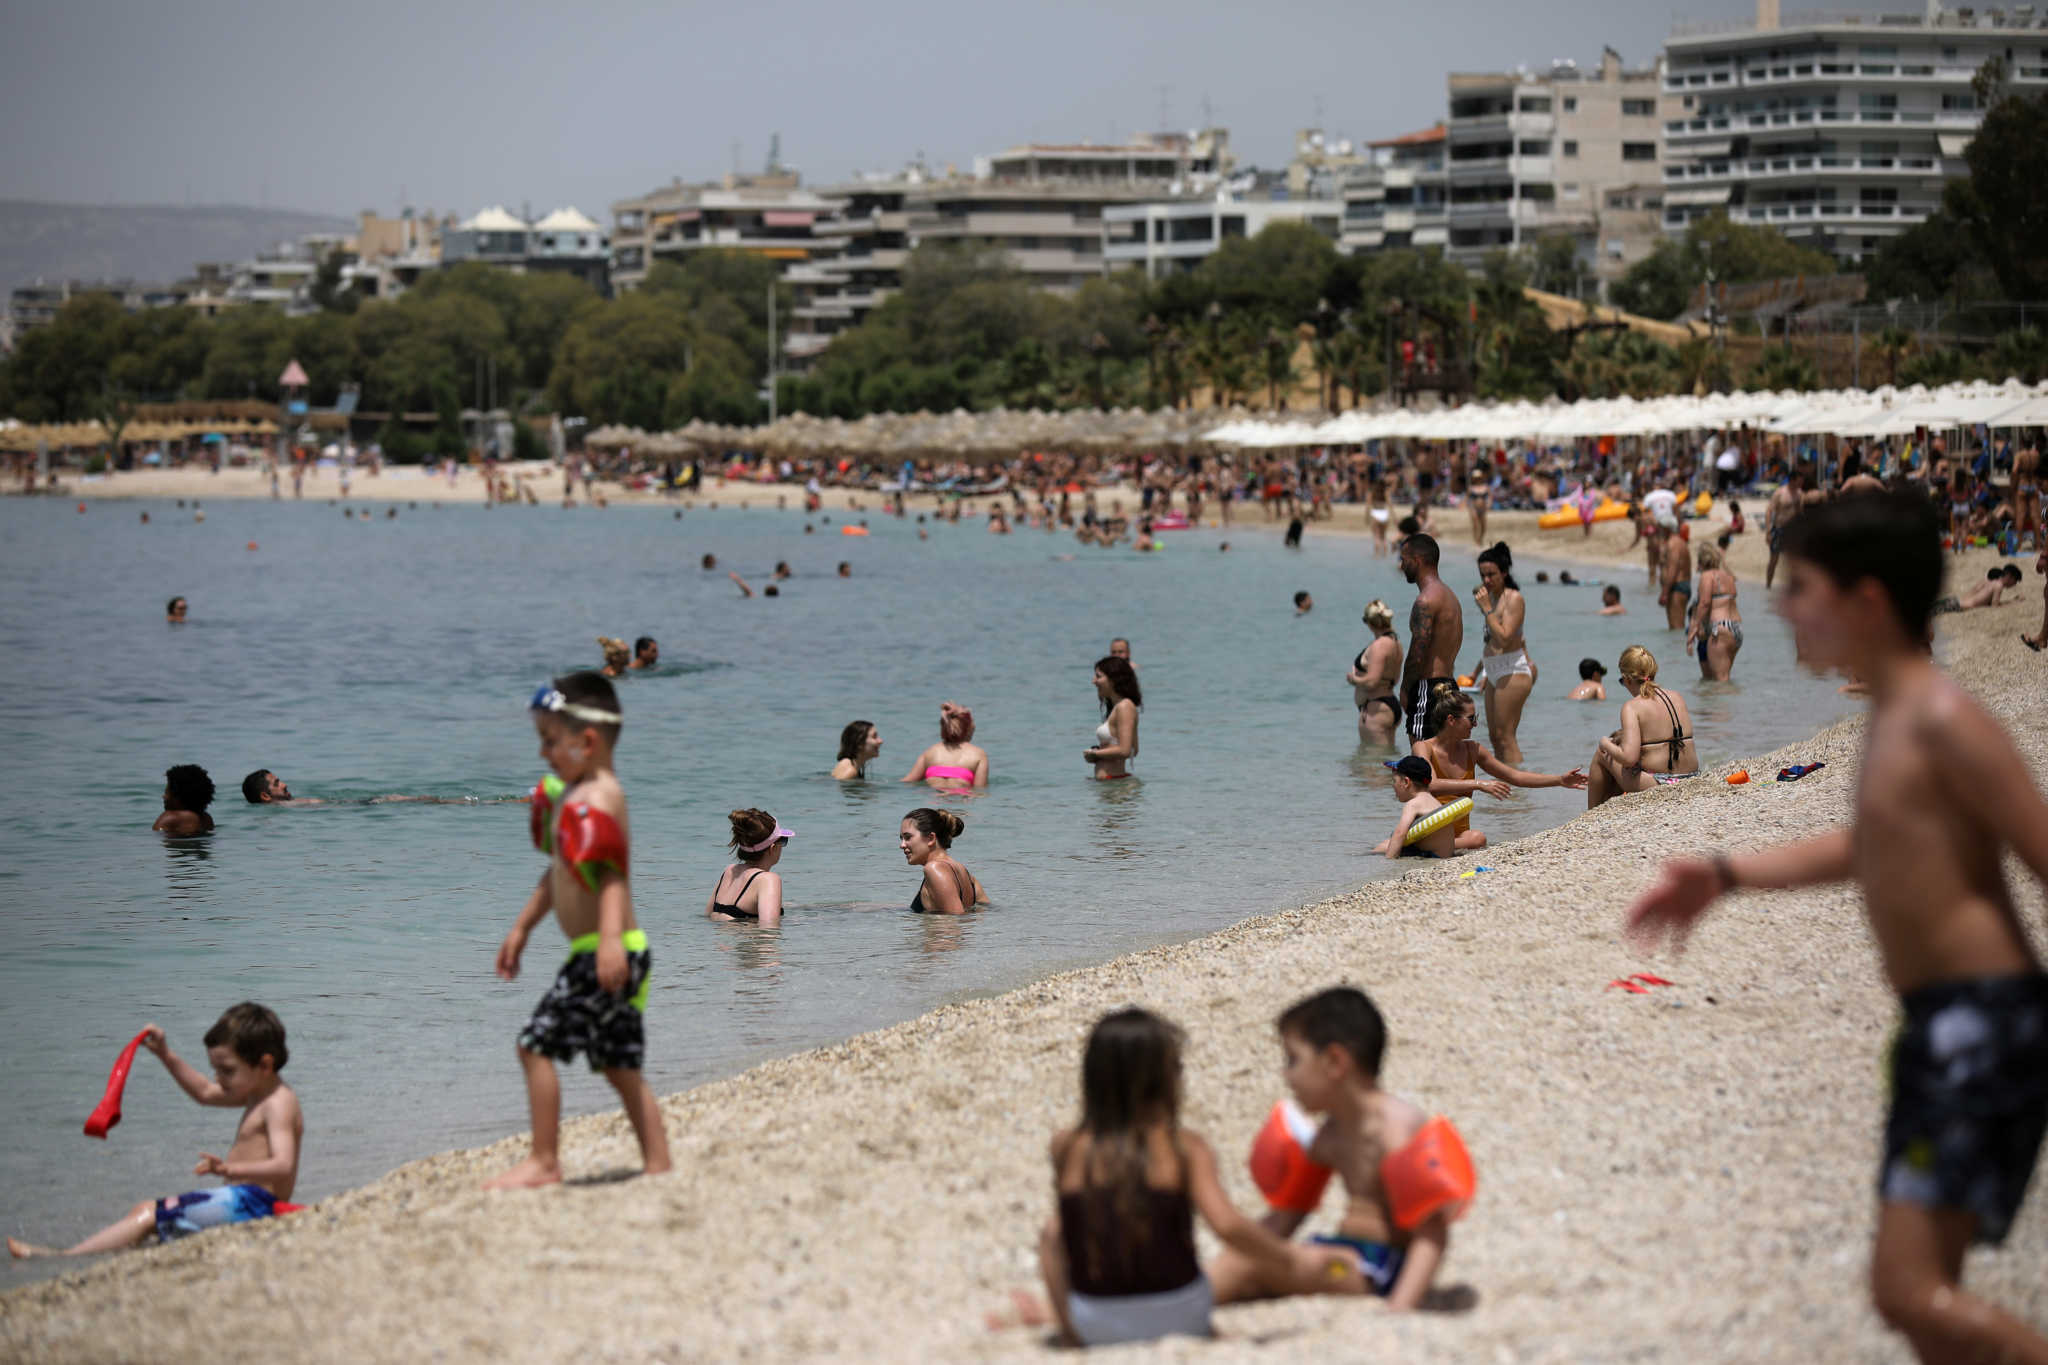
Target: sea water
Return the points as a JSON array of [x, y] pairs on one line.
[[368, 656]]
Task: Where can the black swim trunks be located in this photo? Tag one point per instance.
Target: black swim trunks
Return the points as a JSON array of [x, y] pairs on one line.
[[578, 1015], [1969, 1074], [1416, 704]]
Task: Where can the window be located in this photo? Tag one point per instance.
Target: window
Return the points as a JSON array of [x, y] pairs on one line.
[[1638, 151], [1568, 190], [1571, 104], [1964, 102], [1533, 104], [1234, 226], [1571, 147], [1639, 108], [1616, 248], [1687, 101], [1534, 146]]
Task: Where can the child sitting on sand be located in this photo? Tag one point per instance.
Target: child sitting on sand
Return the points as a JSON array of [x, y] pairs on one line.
[[1938, 804], [246, 1048], [596, 1002], [1119, 1255], [188, 791], [1397, 1223], [1412, 776]]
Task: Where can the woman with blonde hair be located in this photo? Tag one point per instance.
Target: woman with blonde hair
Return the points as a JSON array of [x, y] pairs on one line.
[[953, 764], [750, 889], [1655, 741], [616, 656], [1374, 674], [1716, 620]]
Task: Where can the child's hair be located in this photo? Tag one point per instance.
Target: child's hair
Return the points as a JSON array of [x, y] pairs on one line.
[[1130, 1080], [189, 786], [252, 1032], [956, 725], [1502, 558], [1300, 598], [771, 591], [1445, 701], [1343, 1015], [1637, 662], [1123, 680], [942, 825], [750, 827], [1894, 538], [1417, 770], [588, 688], [1542, 576], [709, 561], [853, 738], [1591, 668], [1408, 526], [1379, 615], [2009, 572], [254, 785], [1610, 594]]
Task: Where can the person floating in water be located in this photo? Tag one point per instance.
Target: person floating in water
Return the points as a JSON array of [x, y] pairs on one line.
[[1303, 604], [188, 791], [174, 611], [860, 744]]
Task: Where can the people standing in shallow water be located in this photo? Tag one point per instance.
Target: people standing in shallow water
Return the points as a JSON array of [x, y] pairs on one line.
[[1457, 759], [1510, 673], [1373, 673], [1655, 741], [954, 763], [1116, 739], [925, 836], [1436, 633], [751, 889], [188, 791], [860, 744], [1716, 621]]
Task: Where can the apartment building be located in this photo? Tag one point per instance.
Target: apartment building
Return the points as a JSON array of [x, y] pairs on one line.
[[860, 262], [1401, 196], [772, 215], [1175, 236], [1530, 154], [1837, 129]]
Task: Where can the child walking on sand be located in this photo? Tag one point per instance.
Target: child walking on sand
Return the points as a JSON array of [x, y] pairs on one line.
[[1939, 802], [1119, 1256], [246, 1048], [596, 1002], [1406, 1175]]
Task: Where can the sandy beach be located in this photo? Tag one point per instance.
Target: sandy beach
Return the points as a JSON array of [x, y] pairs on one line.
[[1684, 1175]]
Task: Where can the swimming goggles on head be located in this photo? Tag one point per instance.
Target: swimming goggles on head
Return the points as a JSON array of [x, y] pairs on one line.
[[548, 697]]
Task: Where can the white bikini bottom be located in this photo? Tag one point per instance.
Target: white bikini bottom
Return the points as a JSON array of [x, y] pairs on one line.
[[1500, 667]]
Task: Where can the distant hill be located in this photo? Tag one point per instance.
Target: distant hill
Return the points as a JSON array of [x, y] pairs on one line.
[[152, 243]]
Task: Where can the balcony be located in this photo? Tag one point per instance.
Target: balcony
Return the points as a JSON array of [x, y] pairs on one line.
[[1761, 168]]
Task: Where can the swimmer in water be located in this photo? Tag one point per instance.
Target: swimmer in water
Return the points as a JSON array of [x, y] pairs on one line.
[[953, 764], [860, 744], [617, 657], [646, 652], [1592, 682], [188, 791], [1610, 602], [750, 889], [925, 836], [708, 562], [1303, 604], [1374, 673], [1120, 648], [845, 569], [1116, 739], [265, 788], [174, 611], [781, 570], [738, 582]]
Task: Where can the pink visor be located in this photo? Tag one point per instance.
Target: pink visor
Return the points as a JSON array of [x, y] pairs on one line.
[[780, 833]]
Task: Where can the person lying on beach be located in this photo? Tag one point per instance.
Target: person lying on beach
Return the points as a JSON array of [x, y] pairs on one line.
[[954, 763], [1412, 776], [1990, 593], [860, 743], [925, 836], [246, 1048], [1334, 1043], [1938, 806], [646, 652], [1610, 602], [751, 889], [596, 1003], [1655, 741], [1118, 1256], [1592, 682], [175, 609], [188, 791], [1457, 758]]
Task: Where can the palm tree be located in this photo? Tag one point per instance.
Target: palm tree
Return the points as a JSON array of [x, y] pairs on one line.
[[1893, 343]]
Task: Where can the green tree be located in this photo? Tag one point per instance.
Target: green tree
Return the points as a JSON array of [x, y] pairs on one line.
[[2004, 203], [622, 357], [2021, 353], [1662, 284], [1781, 367], [245, 354], [1934, 366], [1926, 261], [327, 290], [715, 388], [1891, 345]]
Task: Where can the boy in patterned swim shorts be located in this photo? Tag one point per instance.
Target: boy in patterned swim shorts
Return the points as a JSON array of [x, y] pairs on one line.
[[1938, 804], [594, 1006]]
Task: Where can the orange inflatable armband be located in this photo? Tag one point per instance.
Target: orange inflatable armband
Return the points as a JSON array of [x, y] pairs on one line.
[[1432, 1174], [1280, 1163]]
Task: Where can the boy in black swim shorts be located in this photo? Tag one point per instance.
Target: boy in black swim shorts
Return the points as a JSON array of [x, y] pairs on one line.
[[1938, 804]]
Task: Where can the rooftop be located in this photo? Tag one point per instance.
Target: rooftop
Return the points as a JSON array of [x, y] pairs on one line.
[[1419, 138], [566, 220], [495, 219]]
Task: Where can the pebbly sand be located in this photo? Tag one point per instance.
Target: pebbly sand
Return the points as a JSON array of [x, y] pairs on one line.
[[1684, 1175]]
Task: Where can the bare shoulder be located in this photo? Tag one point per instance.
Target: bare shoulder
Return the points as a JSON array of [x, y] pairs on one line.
[[605, 793], [282, 1103], [1399, 1118]]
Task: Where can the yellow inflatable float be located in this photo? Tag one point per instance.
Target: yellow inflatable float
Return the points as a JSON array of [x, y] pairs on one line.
[[1608, 510]]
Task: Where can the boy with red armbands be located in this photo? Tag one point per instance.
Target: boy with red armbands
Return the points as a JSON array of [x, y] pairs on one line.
[[596, 1002], [1406, 1174]]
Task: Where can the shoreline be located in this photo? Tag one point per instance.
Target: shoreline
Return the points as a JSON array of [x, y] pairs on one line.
[[1684, 1175]]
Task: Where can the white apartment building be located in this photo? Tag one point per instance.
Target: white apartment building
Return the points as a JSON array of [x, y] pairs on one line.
[[771, 215], [1837, 129], [1175, 236], [1400, 198], [1530, 154]]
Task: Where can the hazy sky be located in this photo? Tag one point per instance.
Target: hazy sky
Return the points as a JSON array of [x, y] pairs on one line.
[[454, 104]]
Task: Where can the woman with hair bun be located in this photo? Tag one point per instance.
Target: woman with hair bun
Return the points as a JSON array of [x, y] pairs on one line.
[[1374, 673], [1116, 739], [1510, 675], [749, 889], [953, 764], [948, 888], [1655, 741], [860, 743]]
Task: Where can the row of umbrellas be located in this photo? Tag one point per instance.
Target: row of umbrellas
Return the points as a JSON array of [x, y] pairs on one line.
[[19, 436], [960, 434]]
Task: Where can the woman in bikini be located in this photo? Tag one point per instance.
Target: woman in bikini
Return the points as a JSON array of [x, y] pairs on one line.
[[860, 744], [948, 888], [1457, 760], [1379, 508], [1716, 622], [1655, 741], [1374, 674], [750, 890], [1509, 672], [1479, 496], [1116, 739], [953, 764]]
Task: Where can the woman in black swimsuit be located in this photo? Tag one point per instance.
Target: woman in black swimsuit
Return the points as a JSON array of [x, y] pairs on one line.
[[1655, 742], [948, 889], [750, 890]]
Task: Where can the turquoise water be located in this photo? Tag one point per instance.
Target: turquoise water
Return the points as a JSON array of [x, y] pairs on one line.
[[358, 658]]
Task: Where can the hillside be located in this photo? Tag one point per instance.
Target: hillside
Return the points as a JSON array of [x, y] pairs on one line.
[[155, 243]]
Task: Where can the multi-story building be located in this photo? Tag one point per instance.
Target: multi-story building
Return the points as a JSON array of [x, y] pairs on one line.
[[771, 215], [495, 236], [1530, 154], [1837, 129], [278, 279], [392, 253], [568, 242], [860, 263], [1399, 198], [1175, 235]]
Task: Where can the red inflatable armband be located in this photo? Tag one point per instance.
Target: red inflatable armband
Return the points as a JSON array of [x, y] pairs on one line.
[[1280, 1162], [1432, 1174], [540, 816], [109, 1112], [591, 841]]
